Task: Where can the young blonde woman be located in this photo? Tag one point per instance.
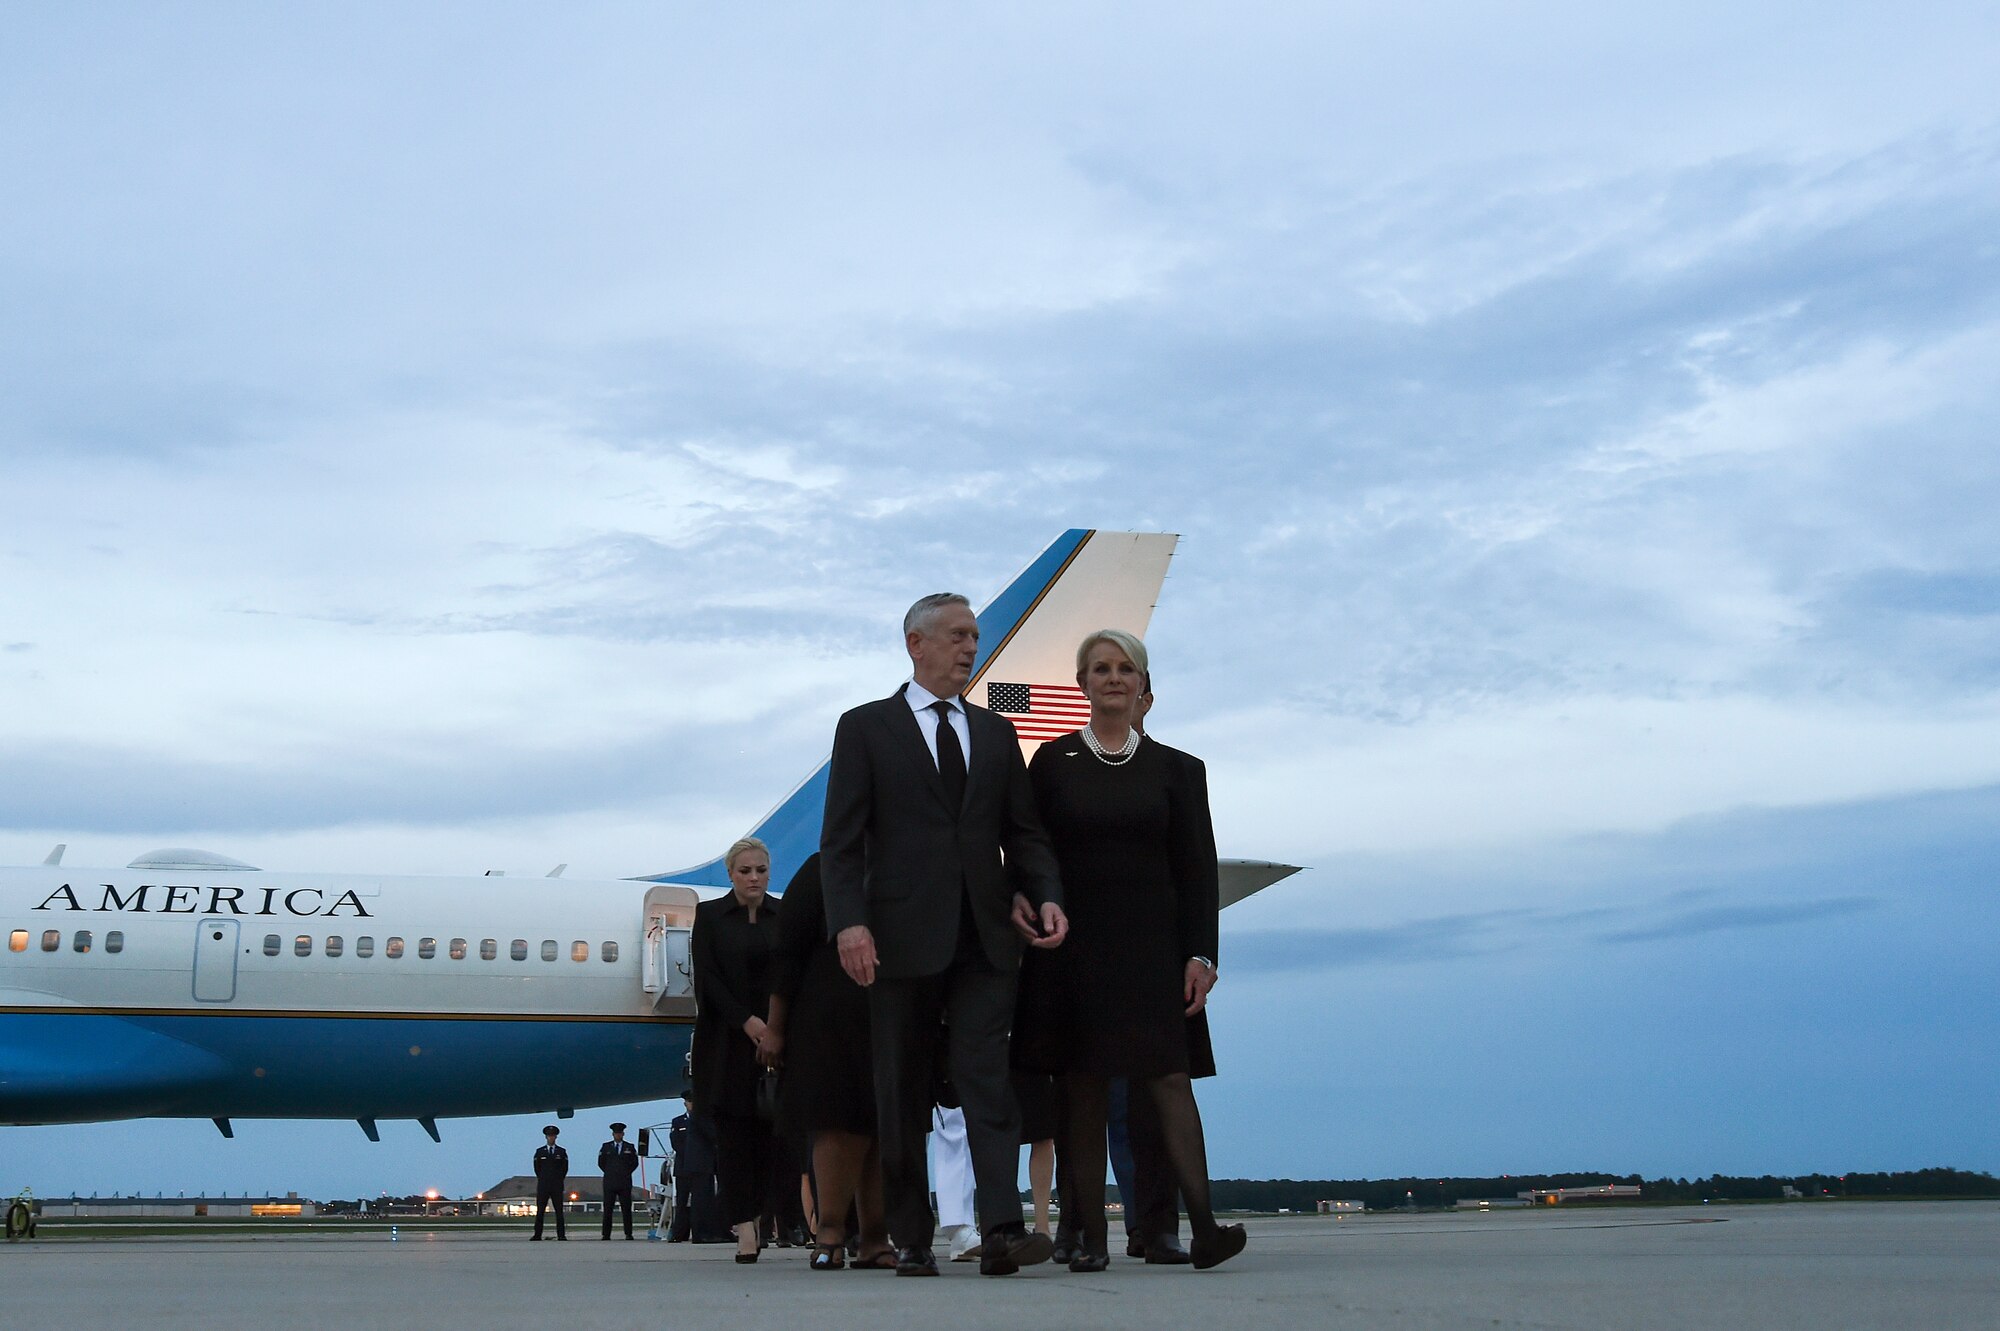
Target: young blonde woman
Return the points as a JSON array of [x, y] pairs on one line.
[[734, 937]]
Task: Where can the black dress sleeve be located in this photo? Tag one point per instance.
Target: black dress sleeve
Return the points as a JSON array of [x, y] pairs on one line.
[[1191, 848], [1031, 860], [801, 931]]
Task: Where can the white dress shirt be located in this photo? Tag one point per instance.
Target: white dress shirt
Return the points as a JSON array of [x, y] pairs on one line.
[[920, 700]]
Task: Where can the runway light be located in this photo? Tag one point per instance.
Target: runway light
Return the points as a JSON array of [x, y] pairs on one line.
[[432, 1194]]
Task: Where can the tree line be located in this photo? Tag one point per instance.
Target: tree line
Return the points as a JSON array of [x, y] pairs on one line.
[[1430, 1192]]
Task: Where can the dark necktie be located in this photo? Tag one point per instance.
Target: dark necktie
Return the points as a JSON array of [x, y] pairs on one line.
[[951, 758]]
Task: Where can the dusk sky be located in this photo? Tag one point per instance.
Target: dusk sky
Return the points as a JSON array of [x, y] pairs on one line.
[[451, 437]]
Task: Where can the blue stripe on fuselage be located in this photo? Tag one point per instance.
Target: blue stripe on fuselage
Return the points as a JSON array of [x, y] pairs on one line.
[[72, 1067]]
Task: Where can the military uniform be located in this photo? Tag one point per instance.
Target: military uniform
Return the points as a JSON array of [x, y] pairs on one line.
[[618, 1159], [551, 1180]]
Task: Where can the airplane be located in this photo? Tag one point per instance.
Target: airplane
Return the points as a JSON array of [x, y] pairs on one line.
[[189, 984]]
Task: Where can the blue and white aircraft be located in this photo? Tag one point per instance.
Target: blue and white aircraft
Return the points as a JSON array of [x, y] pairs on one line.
[[191, 985]]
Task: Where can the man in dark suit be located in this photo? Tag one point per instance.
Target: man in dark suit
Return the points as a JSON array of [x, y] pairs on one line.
[[551, 1178], [619, 1159], [935, 867]]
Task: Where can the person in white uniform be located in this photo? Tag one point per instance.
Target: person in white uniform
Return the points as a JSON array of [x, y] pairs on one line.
[[951, 1175]]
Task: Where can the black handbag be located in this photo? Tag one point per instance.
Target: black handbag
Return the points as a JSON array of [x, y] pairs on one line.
[[767, 1095]]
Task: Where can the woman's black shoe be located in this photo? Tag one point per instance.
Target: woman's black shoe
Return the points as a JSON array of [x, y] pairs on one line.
[[1066, 1251], [1089, 1263], [745, 1258], [1217, 1248]]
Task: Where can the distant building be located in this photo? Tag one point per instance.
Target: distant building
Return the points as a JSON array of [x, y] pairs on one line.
[[1491, 1203], [1342, 1208], [1603, 1192], [516, 1196], [150, 1208]]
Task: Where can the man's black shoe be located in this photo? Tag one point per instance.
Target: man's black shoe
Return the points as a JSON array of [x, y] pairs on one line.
[[915, 1262], [1008, 1248], [1165, 1250], [1135, 1246]]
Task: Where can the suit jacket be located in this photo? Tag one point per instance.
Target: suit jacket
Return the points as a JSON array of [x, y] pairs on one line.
[[895, 857], [551, 1166], [619, 1161]]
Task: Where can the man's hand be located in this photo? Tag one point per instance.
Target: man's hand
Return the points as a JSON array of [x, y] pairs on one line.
[[857, 953], [1200, 979]]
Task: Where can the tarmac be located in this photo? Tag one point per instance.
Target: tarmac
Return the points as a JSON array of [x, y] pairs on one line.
[[1807, 1264]]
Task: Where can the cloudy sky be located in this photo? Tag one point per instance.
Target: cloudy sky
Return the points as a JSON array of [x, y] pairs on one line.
[[451, 437]]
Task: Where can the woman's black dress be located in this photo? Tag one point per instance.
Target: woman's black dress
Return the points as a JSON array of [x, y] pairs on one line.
[[1137, 853], [732, 966], [829, 1082]]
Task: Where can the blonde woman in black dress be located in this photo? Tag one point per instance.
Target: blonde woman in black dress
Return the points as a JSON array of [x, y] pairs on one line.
[[734, 937], [1125, 995]]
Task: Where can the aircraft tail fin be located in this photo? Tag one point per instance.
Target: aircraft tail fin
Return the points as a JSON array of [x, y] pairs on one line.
[[1026, 669]]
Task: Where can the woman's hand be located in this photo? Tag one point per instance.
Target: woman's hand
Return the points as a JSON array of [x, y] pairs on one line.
[[771, 1047], [1199, 980], [1046, 928]]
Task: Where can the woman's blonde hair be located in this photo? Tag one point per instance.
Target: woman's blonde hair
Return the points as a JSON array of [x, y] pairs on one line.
[[1125, 642], [747, 843]]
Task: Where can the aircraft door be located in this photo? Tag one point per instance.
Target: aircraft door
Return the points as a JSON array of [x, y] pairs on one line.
[[215, 960], [667, 969]]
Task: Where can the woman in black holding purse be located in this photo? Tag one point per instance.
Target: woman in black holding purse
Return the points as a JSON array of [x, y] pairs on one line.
[[734, 936], [1126, 995]]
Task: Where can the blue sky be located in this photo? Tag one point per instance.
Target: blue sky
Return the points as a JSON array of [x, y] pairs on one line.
[[495, 436]]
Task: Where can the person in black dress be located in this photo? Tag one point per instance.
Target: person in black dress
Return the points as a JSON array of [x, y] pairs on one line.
[[1125, 997], [734, 936], [818, 1026]]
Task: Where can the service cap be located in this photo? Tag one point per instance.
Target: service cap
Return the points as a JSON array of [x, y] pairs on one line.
[[551, 1130], [618, 1127]]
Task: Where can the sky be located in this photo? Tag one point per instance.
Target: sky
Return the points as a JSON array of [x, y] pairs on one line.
[[450, 437]]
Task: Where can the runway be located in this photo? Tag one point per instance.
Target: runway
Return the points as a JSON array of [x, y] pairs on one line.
[[1846, 1264]]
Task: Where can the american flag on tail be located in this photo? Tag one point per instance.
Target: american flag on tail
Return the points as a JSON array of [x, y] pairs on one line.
[[1040, 711]]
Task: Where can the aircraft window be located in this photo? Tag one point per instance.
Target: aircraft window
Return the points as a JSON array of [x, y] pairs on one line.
[[17, 941], [51, 939], [610, 951], [427, 948], [393, 948], [488, 949], [115, 941], [518, 949], [579, 951], [364, 946], [334, 945], [82, 943], [272, 944], [548, 949], [302, 946], [458, 949]]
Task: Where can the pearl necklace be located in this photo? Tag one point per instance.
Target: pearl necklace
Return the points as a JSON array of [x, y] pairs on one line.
[[1104, 755]]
